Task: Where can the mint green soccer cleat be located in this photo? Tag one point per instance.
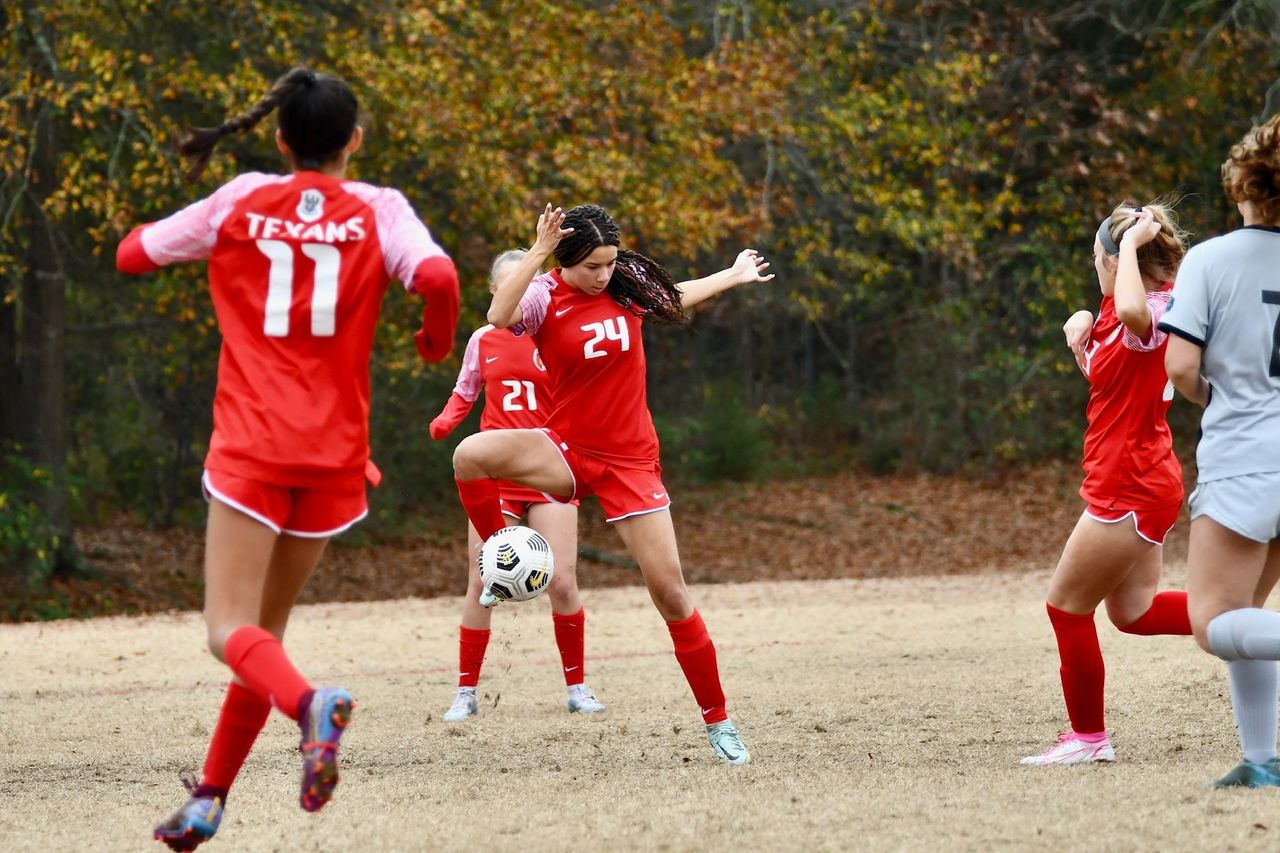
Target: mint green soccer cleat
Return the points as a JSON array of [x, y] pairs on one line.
[[323, 723], [582, 701], [1246, 774], [727, 743], [465, 705]]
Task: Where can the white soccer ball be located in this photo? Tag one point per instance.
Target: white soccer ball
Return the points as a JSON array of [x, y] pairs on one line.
[[515, 565]]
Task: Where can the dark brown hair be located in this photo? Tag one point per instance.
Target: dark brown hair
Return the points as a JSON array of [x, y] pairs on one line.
[[1252, 170], [639, 284], [317, 117]]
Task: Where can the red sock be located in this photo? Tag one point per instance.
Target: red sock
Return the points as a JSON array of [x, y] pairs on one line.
[[697, 657], [1082, 671], [471, 646], [243, 715], [570, 628], [1167, 615], [482, 504], [259, 660]]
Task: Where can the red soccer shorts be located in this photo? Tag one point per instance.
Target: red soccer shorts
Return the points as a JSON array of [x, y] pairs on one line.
[[624, 489], [516, 500], [311, 513], [1152, 525]]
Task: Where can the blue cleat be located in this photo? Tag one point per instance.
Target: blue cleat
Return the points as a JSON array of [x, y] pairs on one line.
[[1246, 774], [727, 743], [191, 825], [323, 723]]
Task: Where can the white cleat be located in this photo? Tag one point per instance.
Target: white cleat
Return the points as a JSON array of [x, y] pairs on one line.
[[727, 743], [583, 701], [464, 705], [1071, 749]]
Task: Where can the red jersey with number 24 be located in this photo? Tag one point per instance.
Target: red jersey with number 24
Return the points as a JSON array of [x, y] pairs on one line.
[[298, 265], [1128, 450], [595, 361]]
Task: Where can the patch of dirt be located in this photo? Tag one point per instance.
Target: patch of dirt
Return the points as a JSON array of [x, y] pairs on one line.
[[845, 525]]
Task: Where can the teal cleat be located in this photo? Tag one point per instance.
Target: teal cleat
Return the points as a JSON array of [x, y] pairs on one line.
[[727, 743], [323, 723], [1246, 774], [191, 825], [582, 701]]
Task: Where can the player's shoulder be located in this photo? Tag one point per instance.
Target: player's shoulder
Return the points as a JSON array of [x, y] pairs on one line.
[[377, 197], [481, 332], [248, 182]]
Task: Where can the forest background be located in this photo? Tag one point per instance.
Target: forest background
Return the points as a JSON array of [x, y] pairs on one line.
[[925, 178]]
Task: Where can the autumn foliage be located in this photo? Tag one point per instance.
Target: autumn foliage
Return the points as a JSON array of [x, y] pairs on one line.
[[924, 177]]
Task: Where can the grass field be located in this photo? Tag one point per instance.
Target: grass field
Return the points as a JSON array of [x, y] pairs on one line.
[[881, 715]]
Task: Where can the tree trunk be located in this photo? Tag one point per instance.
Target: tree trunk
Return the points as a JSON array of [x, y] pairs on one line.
[[42, 421]]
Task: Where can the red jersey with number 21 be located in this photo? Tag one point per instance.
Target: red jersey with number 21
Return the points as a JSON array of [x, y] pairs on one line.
[[595, 361], [298, 265], [513, 376]]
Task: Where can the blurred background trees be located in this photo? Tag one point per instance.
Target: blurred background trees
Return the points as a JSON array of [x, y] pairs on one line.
[[925, 178]]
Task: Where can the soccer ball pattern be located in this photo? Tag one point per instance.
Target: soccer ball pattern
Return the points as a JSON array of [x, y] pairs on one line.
[[516, 564]]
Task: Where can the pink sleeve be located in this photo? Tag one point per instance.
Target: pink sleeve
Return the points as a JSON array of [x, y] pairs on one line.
[[189, 234], [533, 306], [406, 242], [1157, 304], [468, 385]]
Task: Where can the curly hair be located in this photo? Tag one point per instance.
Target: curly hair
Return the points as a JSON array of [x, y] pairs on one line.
[[1158, 260], [1251, 171], [317, 117], [639, 284]]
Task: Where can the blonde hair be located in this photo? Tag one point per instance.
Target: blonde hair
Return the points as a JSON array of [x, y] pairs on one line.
[[508, 255], [1158, 260], [1252, 170]]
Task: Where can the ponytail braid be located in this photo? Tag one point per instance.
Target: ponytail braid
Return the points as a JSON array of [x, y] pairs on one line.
[[198, 144], [642, 286]]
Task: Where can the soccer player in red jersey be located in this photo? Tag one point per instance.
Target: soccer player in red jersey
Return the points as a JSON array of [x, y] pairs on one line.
[[298, 265], [1133, 482], [516, 396], [599, 439]]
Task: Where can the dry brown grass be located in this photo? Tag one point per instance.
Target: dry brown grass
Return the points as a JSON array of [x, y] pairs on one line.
[[882, 714]]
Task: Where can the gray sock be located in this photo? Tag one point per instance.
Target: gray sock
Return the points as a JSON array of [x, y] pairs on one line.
[[1249, 632], [1253, 698]]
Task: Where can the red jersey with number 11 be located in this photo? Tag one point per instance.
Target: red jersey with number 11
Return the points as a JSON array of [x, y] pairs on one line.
[[595, 360], [298, 265]]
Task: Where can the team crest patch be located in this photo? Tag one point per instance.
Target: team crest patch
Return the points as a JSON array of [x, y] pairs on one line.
[[537, 360], [311, 205]]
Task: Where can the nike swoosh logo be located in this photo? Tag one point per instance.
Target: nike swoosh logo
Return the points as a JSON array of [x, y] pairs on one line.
[[706, 710], [570, 668], [657, 495], [491, 359], [564, 311]]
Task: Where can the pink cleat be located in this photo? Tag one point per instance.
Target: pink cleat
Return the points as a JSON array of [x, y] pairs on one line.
[[1073, 748]]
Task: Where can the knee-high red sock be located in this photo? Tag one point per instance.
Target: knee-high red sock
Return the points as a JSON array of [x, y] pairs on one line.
[[697, 657], [243, 715], [570, 631], [1167, 615], [1083, 672], [259, 660], [471, 647], [483, 505]]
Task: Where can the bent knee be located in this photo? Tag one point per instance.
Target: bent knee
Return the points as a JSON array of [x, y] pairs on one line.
[[672, 600], [468, 460]]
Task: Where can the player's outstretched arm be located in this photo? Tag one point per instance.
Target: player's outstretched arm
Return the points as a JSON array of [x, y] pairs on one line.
[[436, 279], [749, 266], [504, 310]]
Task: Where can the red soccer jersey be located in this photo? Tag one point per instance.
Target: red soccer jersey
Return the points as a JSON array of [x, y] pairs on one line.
[[595, 360], [508, 367], [298, 265], [1128, 450]]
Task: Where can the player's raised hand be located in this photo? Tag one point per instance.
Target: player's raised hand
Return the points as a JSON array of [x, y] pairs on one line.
[[750, 266], [1142, 231], [549, 230]]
